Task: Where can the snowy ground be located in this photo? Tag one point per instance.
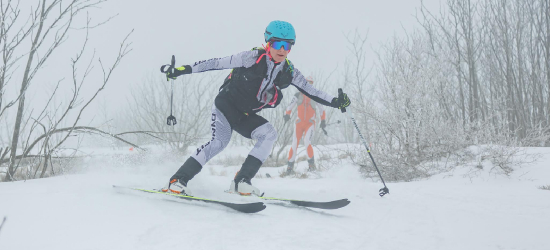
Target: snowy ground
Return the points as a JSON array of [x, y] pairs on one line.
[[448, 211]]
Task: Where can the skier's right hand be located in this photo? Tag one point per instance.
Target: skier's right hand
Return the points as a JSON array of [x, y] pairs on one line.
[[183, 70], [286, 117]]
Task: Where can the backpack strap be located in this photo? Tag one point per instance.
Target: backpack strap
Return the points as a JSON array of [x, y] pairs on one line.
[[289, 66], [262, 52]]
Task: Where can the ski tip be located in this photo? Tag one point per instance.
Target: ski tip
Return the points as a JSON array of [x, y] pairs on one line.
[[250, 208], [264, 206], [344, 203], [346, 200]]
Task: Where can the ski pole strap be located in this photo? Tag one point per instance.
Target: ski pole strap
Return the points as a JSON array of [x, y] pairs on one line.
[[164, 70]]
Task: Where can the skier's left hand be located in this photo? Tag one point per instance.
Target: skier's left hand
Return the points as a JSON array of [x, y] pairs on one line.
[[341, 102], [323, 124]]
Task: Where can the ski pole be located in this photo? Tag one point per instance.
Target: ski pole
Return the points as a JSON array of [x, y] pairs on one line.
[[171, 120], [383, 191], [3, 221], [324, 131], [332, 123]]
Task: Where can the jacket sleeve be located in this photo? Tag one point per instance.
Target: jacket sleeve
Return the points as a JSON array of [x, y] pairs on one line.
[[293, 104], [299, 81], [244, 59]]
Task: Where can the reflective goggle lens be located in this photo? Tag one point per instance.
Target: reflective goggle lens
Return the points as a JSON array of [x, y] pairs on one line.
[[278, 44]]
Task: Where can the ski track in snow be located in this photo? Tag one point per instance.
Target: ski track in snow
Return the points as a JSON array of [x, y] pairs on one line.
[[83, 211]]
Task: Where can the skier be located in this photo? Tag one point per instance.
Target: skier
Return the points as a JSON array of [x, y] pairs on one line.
[[255, 83], [304, 126]]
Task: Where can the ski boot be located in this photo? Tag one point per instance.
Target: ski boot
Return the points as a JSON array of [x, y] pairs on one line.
[[311, 164], [243, 186], [176, 186], [289, 169]]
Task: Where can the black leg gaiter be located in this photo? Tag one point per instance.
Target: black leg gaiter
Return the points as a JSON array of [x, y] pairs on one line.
[[188, 170], [249, 169]]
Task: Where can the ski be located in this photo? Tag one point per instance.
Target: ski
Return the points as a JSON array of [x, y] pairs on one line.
[[241, 207], [313, 204], [335, 204]]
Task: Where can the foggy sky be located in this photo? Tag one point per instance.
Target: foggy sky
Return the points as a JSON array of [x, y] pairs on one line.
[[199, 30]]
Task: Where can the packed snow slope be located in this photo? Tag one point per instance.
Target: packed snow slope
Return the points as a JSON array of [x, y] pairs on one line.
[[459, 210]]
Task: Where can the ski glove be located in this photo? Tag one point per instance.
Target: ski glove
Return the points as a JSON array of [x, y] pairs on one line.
[[323, 124], [341, 102], [286, 117], [183, 70]]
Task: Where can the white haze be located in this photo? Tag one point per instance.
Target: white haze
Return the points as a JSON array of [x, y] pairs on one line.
[[198, 30]]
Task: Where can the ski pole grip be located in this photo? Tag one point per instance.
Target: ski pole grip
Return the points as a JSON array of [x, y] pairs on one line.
[[340, 97], [170, 67]]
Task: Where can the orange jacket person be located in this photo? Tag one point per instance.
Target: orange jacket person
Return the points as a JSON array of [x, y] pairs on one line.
[[308, 112]]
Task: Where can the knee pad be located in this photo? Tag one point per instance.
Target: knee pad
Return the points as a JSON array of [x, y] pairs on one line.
[[266, 136], [265, 133]]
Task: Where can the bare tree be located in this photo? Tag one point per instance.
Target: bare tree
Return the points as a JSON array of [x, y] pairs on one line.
[[475, 74], [49, 31], [9, 15]]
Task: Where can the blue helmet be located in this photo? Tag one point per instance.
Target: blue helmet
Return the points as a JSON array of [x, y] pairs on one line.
[[281, 30]]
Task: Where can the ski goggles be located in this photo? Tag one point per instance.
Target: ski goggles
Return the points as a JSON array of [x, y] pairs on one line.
[[277, 44]]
